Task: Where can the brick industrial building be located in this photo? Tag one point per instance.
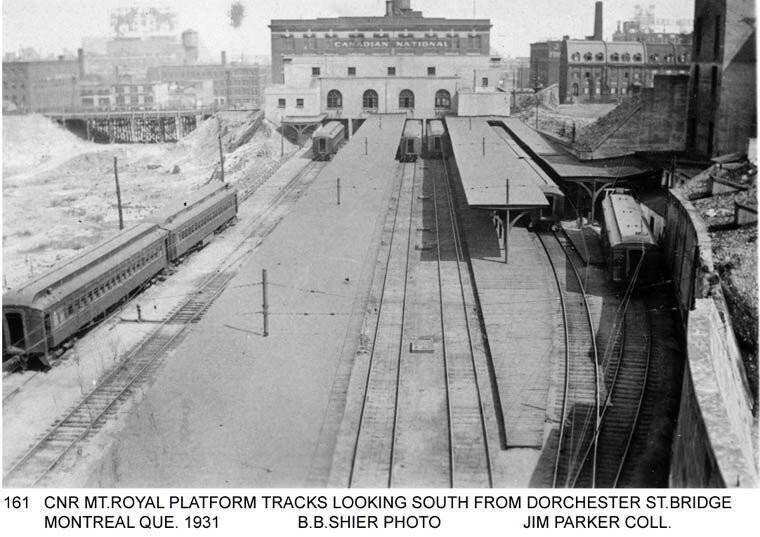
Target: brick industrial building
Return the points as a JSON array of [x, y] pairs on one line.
[[723, 108], [596, 70], [43, 85]]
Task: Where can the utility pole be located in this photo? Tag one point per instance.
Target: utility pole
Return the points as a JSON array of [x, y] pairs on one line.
[[506, 221], [265, 303], [221, 155], [484, 146], [282, 141], [118, 193], [338, 185], [365, 145]]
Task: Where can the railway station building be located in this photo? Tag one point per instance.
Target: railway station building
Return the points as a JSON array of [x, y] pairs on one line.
[[348, 68]]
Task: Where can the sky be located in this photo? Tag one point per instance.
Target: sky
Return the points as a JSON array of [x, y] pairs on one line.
[[53, 25]]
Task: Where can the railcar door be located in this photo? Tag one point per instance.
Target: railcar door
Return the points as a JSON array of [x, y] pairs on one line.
[[14, 321], [322, 145]]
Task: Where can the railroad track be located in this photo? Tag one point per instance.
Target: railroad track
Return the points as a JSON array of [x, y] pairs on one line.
[[422, 419], [580, 412], [104, 401]]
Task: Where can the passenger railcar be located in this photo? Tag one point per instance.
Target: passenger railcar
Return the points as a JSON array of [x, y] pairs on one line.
[[410, 147], [193, 219], [435, 138], [50, 308], [327, 140], [47, 310], [630, 250]]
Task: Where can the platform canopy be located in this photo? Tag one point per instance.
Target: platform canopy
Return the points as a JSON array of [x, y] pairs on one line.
[[563, 166], [486, 167]]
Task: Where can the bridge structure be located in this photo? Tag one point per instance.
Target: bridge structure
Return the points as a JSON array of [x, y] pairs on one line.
[[129, 126]]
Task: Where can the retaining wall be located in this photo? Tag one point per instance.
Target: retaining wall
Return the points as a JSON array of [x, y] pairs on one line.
[[713, 443]]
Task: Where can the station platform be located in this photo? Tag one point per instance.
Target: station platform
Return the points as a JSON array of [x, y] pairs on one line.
[[237, 409], [586, 240], [523, 325]]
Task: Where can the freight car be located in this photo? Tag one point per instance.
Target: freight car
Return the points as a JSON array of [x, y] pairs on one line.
[[327, 140], [410, 147], [436, 138], [630, 250], [47, 310]]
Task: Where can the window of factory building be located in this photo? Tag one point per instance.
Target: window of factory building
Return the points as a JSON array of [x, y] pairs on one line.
[[588, 57], [299, 103], [654, 58], [600, 56], [576, 57], [406, 99], [637, 57], [431, 71], [352, 71], [280, 103], [442, 99], [626, 57], [334, 99], [614, 57], [391, 71], [575, 89], [369, 99], [315, 71], [669, 58]]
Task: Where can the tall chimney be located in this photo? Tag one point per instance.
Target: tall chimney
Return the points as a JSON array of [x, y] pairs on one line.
[[80, 58], [388, 8], [224, 58], [598, 23]]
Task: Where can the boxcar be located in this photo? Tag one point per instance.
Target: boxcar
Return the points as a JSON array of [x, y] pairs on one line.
[[327, 139], [630, 250], [436, 138], [191, 219], [50, 308], [410, 147]]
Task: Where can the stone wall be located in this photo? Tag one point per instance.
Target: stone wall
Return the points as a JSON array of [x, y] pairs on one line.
[[713, 445], [653, 120]]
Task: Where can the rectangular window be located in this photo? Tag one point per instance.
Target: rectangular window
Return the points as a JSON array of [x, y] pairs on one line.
[[280, 103], [299, 103], [352, 71], [391, 71], [431, 71], [315, 71], [484, 82]]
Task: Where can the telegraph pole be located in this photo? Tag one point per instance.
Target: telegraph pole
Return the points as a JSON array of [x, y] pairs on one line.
[[221, 155], [506, 221], [265, 303], [338, 185], [118, 193]]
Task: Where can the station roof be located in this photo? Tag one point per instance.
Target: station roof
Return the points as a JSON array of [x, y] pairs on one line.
[[484, 177], [563, 166], [301, 120]]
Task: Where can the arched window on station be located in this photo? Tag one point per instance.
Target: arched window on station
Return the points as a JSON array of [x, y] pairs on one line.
[[637, 57], [334, 99], [369, 99], [442, 99], [614, 57], [600, 56], [406, 99], [576, 57], [588, 57], [626, 57]]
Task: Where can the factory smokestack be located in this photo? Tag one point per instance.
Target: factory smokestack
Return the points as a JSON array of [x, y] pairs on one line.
[[598, 22], [388, 8], [224, 58]]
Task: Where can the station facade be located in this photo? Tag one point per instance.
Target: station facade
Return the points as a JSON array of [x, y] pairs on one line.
[[352, 67]]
